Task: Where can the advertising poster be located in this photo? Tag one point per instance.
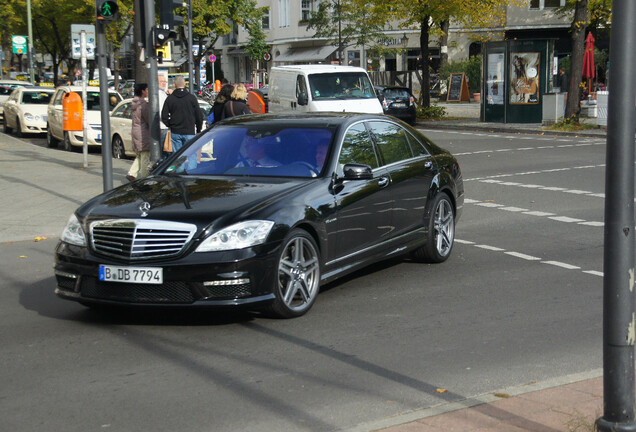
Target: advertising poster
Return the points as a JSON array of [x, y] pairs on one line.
[[524, 78], [495, 80]]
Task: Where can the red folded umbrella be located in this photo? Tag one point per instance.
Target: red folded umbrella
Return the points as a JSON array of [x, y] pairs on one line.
[[588, 59]]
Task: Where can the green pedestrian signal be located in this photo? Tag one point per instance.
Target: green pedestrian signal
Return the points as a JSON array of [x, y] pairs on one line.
[[106, 9]]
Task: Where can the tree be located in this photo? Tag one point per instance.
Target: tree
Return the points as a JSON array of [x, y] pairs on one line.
[[52, 21], [212, 19], [349, 23], [592, 14], [429, 15], [12, 14]]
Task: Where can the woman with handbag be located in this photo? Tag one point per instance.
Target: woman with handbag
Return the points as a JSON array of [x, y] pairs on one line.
[[140, 133], [236, 105]]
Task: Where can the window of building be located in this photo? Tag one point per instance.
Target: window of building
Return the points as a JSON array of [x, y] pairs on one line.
[[306, 8], [265, 20], [546, 4], [283, 13], [353, 58]]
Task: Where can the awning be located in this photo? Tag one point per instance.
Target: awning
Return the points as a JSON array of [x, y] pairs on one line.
[[306, 54]]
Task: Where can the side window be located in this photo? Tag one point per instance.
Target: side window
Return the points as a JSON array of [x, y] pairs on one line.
[[391, 140], [357, 147], [58, 98], [418, 146]]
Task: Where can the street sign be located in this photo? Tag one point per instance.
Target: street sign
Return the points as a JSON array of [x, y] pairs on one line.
[[166, 52], [19, 44], [267, 57], [76, 47], [212, 58]]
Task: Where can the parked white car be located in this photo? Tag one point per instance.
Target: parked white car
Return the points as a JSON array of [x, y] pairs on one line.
[[26, 109], [75, 139], [6, 87], [121, 127]]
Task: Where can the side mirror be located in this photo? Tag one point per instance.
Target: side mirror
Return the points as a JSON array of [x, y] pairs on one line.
[[354, 171], [303, 99]]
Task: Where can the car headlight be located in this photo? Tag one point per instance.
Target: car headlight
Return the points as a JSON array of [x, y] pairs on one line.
[[28, 116], [237, 236], [73, 232]]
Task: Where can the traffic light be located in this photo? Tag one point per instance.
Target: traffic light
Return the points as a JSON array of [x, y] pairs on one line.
[[163, 35], [169, 16], [106, 10]]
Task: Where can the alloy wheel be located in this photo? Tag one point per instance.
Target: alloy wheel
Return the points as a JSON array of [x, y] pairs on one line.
[[298, 275], [444, 227]]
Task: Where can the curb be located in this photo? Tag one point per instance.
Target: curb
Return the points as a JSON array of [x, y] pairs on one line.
[[532, 128], [469, 402]]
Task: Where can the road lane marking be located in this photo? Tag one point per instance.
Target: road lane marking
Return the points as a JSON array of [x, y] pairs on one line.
[[526, 257], [551, 216]]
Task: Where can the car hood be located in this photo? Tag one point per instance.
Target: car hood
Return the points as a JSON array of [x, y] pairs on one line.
[[190, 199]]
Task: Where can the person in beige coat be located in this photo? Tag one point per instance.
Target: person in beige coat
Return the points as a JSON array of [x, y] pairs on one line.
[[140, 133]]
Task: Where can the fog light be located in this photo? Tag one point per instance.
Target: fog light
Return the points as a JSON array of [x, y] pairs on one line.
[[227, 282]]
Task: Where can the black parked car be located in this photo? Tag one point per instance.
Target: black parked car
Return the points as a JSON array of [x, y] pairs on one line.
[[262, 210], [398, 102]]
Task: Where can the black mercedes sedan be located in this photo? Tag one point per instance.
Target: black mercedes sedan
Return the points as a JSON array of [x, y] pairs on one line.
[[260, 211], [398, 102]]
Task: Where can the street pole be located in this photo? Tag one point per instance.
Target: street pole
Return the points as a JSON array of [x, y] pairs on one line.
[[84, 101], [619, 316], [190, 54], [107, 153], [153, 85], [30, 43]]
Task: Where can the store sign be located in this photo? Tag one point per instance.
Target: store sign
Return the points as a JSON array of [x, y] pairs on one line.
[[19, 44]]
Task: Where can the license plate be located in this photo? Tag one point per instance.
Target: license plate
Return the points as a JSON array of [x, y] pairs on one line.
[[399, 105], [146, 275]]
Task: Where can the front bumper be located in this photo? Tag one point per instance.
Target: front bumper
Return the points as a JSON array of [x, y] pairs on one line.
[[234, 278]]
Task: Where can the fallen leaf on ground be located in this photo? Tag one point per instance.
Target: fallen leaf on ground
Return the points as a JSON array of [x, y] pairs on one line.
[[22, 256], [441, 390], [502, 395], [39, 238]]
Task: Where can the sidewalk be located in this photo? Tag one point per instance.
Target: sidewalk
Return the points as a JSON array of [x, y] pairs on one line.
[[566, 404], [465, 116]]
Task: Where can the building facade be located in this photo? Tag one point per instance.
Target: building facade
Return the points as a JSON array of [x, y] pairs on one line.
[[285, 26]]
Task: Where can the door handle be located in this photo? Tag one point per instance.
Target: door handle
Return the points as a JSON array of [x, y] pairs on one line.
[[383, 182]]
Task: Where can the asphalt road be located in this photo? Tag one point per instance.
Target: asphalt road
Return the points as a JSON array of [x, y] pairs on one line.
[[519, 301]]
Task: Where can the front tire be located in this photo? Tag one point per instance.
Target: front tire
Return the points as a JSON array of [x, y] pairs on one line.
[[298, 281], [51, 142], [67, 142], [441, 232], [18, 128]]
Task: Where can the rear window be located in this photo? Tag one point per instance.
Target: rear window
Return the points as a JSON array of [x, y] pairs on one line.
[[396, 93]]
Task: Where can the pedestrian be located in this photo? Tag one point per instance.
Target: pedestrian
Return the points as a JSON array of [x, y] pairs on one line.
[[140, 133], [182, 115], [563, 81], [223, 96], [236, 105], [162, 81]]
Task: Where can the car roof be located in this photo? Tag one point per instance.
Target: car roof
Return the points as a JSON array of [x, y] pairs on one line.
[[74, 88], [317, 68], [37, 88], [316, 119], [16, 82]]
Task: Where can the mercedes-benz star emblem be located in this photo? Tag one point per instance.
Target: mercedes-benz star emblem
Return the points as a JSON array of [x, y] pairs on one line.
[[144, 207]]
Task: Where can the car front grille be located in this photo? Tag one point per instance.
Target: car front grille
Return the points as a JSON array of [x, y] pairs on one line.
[[138, 239], [176, 292]]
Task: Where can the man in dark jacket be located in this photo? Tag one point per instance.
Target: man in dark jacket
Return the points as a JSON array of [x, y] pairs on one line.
[[181, 113]]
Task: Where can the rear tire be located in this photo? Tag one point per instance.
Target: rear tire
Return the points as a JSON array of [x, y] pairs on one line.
[[7, 129], [118, 148], [441, 232]]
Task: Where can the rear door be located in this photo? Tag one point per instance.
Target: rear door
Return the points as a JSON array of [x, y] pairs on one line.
[[412, 171]]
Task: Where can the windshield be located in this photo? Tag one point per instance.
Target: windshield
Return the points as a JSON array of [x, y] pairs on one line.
[[344, 85], [36, 97], [259, 150], [393, 93]]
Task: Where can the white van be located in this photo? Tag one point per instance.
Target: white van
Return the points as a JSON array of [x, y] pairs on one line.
[[310, 88]]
